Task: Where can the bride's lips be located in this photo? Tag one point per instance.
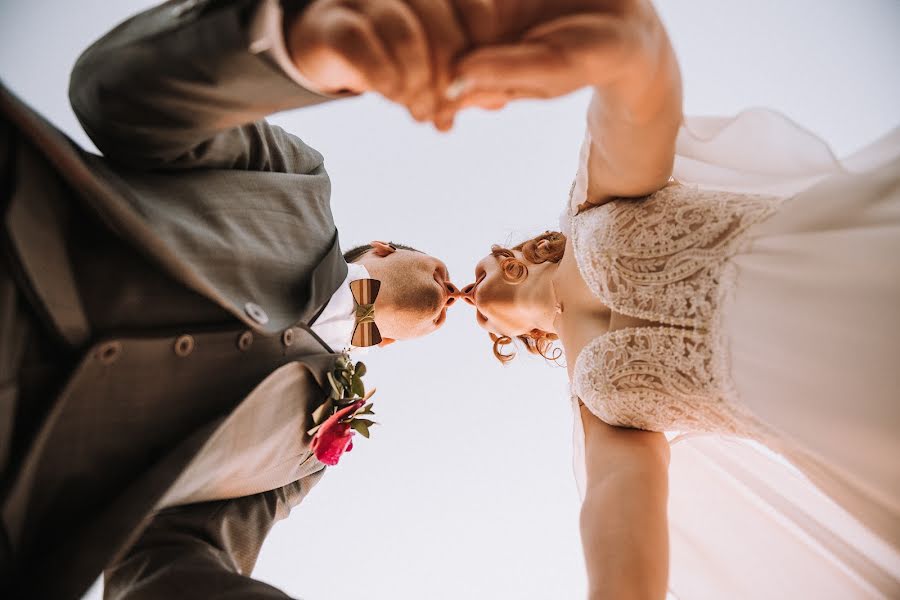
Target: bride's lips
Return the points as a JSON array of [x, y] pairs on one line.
[[470, 295]]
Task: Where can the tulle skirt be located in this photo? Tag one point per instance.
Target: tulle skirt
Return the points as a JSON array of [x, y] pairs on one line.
[[811, 320], [812, 324]]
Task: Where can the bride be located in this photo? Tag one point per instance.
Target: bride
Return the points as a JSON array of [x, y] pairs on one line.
[[721, 277]]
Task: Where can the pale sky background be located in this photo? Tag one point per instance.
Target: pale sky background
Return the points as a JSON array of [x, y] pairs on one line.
[[466, 490]]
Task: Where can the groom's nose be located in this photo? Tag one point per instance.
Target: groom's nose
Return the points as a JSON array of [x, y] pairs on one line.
[[452, 293]]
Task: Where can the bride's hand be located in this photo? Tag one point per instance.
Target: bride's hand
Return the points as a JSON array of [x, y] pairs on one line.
[[593, 44]]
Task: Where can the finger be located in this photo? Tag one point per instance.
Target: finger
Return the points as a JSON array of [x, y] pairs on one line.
[[489, 100], [354, 40], [533, 67], [447, 39], [479, 20], [486, 100], [403, 36]]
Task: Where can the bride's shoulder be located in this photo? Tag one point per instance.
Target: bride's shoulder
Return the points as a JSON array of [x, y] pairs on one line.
[[576, 207]]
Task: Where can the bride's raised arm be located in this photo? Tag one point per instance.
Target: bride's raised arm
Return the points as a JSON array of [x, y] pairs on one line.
[[624, 529], [618, 47]]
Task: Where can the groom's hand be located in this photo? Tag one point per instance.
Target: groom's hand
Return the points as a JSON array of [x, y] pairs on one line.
[[402, 49]]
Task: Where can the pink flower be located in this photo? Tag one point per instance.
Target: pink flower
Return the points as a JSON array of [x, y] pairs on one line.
[[335, 437]]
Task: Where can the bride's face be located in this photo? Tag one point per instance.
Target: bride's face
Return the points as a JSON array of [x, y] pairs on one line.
[[501, 307]]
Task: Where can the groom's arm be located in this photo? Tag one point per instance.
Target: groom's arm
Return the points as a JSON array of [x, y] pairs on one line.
[[205, 550], [186, 85]]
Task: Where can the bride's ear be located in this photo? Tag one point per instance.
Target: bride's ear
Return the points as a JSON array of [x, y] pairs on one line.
[[382, 249], [386, 342]]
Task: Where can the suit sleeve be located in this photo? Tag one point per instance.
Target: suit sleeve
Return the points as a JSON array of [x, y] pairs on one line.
[[204, 550], [183, 86]]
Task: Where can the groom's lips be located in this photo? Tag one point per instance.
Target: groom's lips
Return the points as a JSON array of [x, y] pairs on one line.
[[444, 291], [445, 300]]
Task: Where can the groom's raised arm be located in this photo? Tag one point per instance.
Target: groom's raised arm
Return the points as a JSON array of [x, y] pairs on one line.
[[186, 85]]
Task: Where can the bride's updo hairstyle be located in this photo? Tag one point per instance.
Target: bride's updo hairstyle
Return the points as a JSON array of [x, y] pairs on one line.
[[549, 246]]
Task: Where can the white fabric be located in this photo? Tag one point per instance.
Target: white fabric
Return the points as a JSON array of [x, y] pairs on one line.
[[267, 35], [745, 523]]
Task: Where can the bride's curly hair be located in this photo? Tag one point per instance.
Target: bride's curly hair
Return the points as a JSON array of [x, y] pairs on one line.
[[549, 246]]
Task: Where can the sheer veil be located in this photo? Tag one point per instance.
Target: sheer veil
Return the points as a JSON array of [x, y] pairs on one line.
[[744, 523]]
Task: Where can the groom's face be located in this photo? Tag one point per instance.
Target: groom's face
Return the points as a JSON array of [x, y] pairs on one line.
[[415, 293]]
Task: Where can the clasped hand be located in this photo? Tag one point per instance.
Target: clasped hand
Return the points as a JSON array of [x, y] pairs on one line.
[[437, 57]]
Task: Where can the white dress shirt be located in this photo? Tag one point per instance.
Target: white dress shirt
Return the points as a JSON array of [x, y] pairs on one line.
[[336, 322]]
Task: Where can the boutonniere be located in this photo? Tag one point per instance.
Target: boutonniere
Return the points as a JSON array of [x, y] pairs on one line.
[[342, 413]]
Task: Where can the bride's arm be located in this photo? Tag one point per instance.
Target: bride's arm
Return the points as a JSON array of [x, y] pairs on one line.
[[620, 49], [634, 117], [623, 518]]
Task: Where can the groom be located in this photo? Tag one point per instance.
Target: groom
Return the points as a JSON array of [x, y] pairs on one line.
[[170, 310]]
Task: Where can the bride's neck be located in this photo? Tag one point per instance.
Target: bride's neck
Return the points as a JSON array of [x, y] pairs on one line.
[[543, 298]]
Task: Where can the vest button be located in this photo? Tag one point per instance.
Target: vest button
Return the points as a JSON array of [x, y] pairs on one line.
[[244, 341], [287, 338], [109, 352], [184, 345], [255, 312]]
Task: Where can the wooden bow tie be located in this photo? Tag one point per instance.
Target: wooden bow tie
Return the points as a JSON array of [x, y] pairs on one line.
[[365, 333]]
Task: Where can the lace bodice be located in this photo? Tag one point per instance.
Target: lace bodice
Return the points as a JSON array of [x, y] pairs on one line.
[[664, 259]]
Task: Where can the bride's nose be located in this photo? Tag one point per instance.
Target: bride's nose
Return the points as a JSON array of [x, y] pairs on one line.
[[468, 293]]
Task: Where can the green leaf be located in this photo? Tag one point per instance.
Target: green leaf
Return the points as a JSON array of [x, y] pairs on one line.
[[343, 402], [336, 387], [366, 410], [361, 426], [342, 362], [360, 369], [324, 411], [358, 388]]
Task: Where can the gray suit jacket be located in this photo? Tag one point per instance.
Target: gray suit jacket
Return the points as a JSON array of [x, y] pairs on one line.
[[231, 207]]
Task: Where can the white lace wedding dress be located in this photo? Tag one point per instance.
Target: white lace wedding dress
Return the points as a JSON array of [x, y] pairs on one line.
[[769, 275]]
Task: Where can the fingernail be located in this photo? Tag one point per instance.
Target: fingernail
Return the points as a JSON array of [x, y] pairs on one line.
[[417, 112], [444, 124], [456, 89]]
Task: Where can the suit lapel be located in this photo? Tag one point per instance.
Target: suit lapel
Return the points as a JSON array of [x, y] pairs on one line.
[[60, 153]]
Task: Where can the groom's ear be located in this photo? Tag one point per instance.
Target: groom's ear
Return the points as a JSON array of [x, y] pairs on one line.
[[386, 342], [382, 249]]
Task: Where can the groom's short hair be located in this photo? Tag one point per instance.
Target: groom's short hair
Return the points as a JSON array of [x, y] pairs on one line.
[[354, 254]]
